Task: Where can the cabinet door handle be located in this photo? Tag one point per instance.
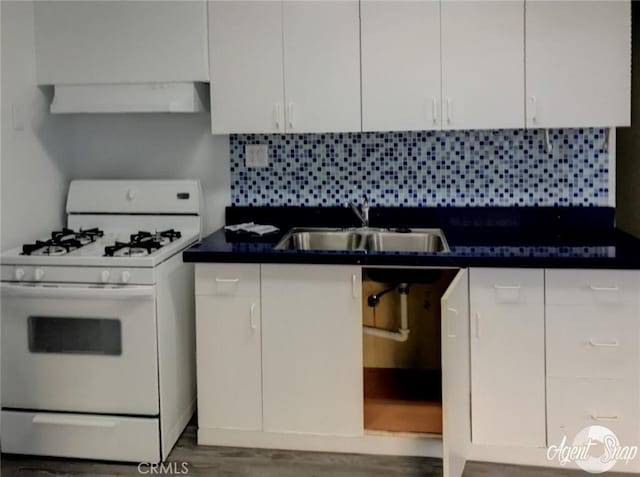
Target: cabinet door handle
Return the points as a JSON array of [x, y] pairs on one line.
[[354, 283], [434, 110], [604, 289], [290, 115], [604, 418], [477, 331], [252, 316], [604, 344], [449, 110], [227, 280], [506, 287], [534, 109], [278, 115]]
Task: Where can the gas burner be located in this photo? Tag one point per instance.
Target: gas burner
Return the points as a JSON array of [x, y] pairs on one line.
[[163, 238], [50, 250], [62, 242], [132, 249], [83, 236]]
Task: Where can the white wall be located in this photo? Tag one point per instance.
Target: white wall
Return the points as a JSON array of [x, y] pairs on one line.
[[154, 146], [33, 166]]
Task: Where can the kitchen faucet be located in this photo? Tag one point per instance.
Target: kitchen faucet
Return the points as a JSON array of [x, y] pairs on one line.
[[361, 212]]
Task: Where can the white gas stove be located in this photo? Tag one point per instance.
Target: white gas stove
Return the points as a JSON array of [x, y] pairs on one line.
[[98, 325]]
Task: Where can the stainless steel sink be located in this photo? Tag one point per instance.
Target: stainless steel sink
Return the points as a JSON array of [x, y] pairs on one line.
[[364, 239], [320, 239], [414, 241]]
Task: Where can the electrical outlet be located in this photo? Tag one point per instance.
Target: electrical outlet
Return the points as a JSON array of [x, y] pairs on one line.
[[256, 155]]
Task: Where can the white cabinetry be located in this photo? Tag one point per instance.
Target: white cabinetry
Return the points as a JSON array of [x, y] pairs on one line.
[[593, 350], [284, 66], [456, 429], [228, 336], [507, 357], [121, 42], [578, 63], [312, 349], [247, 81], [400, 65], [482, 64], [322, 66]]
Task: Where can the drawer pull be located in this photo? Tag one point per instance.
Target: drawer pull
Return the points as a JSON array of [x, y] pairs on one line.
[[252, 316], [604, 418], [604, 289], [506, 287], [71, 421], [603, 344], [227, 280]]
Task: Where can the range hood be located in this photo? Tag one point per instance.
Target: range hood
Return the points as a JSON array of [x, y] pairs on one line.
[[183, 97]]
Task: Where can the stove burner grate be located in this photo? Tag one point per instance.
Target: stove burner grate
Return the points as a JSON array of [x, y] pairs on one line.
[[62, 242], [142, 243]]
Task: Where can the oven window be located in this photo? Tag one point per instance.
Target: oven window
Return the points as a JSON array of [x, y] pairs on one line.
[[75, 335]]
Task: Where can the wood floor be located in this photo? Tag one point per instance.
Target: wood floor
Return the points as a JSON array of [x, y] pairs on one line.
[[236, 462]]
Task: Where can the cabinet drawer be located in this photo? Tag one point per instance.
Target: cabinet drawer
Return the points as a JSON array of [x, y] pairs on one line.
[[83, 436], [506, 286], [225, 279], [592, 341], [573, 404], [592, 287]]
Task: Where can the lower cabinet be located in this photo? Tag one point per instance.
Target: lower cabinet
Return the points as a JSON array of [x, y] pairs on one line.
[[507, 357], [528, 356], [312, 349], [593, 351], [228, 346], [279, 348]]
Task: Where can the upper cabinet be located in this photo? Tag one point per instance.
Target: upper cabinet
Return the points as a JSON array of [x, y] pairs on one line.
[[482, 64], [322, 66], [400, 65], [121, 42], [247, 80], [285, 66], [578, 63]]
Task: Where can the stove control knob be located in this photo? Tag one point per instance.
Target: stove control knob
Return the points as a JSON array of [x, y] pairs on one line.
[[38, 274], [131, 194], [104, 276], [19, 273], [125, 277]]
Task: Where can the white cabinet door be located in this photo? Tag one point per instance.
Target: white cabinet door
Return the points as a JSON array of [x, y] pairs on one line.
[[312, 349], [507, 357], [228, 348], [322, 66], [400, 65], [456, 405], [121, 42], [483, 64], [247, 81], [578, 63]]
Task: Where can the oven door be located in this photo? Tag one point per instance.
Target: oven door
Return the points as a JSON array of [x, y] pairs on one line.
[[79, 348]]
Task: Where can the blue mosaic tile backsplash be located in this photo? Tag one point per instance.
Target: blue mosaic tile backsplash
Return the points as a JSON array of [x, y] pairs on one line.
[[425, 168]]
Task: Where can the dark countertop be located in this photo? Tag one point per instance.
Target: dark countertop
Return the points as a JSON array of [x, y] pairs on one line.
[[552, 237]]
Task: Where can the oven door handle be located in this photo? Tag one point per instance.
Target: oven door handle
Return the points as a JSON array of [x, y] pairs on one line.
[[57, 291]]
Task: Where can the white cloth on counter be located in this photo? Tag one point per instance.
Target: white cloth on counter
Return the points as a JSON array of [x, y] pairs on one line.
[[252, 228]]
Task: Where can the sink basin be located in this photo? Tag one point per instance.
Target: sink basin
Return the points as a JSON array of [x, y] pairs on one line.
[[414, 241], [320, 239], [365, 239]]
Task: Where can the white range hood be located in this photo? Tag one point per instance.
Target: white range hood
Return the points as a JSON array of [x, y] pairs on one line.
[[182, 97]]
